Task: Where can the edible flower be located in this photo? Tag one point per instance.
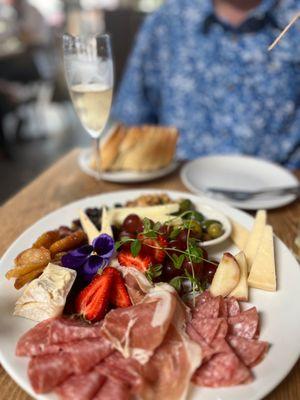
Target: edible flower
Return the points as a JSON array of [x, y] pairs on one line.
[[88, 259]]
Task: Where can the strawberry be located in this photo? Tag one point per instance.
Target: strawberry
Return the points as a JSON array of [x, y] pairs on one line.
[[141, 262], [119, 296], [154, 247], [92, 302]]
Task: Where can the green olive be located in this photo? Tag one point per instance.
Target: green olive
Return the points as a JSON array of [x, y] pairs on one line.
[[186, 205], [195, 227], [215, 230], [206, 223], [198, 216]]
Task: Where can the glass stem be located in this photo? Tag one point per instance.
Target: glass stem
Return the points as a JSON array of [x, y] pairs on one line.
[[97, 157]]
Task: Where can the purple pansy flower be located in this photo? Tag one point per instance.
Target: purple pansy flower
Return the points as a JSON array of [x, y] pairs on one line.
[[88, 259]]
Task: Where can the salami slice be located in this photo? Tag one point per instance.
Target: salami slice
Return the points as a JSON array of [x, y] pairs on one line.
[[250, 351], [48, 371], [207, 351], [209, 328], [244, 324], [223, 369], [223, 313], [208, 309], [233, 307], [203, 298], [35, 340], [63, 330], [81, 387], [112, 390]]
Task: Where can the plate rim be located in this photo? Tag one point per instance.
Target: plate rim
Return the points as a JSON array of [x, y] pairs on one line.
[[133, 177], [287, 199], [26, 385]]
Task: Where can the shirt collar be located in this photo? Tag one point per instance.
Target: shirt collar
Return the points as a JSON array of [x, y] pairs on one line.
[[201, 12]]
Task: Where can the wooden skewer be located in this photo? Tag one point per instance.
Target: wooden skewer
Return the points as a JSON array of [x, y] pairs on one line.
[[276, 41]]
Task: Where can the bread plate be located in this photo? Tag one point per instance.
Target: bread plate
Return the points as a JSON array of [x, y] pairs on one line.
[[84, 159], [278, 310]]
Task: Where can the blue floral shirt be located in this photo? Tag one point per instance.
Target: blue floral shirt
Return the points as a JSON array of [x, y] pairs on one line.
[[217, 84]]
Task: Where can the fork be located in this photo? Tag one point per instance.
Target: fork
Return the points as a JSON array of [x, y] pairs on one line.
[[243, 195]]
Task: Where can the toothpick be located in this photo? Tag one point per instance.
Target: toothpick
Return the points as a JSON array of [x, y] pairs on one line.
[[277, 40]]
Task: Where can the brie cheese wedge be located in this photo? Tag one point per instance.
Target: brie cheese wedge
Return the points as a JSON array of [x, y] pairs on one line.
[[45, 297]]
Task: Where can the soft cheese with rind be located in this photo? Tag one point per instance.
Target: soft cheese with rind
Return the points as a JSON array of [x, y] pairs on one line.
[[263, 270], [45, 297]]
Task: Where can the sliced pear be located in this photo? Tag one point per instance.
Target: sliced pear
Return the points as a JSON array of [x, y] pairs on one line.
[[239, 234], [255, 237], [226, 277], [240, 292], [263, 271], [88, 226]]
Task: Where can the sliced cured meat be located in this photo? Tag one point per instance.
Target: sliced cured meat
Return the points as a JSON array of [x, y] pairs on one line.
[[203, 298], [210, 308], [209, 328], [223, 369], [223, 312], [35, 340], [169, 371], [48, 371], [250, 351], [138, 330], [86, 353], [207, 351], [64, 330], [233, 306], [112, 390], [81, 387], [120, 369], [244, 324], [136, 282]]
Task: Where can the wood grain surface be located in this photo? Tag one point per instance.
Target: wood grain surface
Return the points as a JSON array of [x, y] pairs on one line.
[[64, 183]]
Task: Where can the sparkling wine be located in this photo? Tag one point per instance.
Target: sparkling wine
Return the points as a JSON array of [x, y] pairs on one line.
[[92, 103]]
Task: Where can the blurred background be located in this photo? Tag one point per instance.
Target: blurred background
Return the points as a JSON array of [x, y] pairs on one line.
[[37, 121]]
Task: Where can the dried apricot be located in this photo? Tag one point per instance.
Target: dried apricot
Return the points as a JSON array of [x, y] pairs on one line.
[[70, 242], [46, 239]]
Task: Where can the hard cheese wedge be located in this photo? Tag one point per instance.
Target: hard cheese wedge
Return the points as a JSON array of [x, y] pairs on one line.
[[263, 273], [255, 237], [106, 222], [88, 227], [239, 234], [240, 292]]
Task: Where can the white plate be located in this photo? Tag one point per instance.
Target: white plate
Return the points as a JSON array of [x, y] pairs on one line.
[[280, 324], [238, 173], [84, 159]]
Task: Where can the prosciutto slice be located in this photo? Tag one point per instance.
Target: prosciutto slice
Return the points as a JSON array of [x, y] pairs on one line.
[[112, 390], [136, 283], [138, 330]]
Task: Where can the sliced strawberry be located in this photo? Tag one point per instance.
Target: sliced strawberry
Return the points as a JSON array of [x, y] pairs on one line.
[[119, 296], [92, 301], [154, 247], [141, 262]]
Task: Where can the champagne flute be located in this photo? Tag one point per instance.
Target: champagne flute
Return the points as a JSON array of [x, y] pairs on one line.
[[89, 74]]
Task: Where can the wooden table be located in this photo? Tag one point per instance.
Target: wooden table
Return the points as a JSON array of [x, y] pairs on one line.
[[64, 183]]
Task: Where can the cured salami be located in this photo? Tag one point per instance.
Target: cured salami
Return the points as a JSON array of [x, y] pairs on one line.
[[207, 351], [223, 369], [233, 306], [34, 341], [48, 371], [64, 330], [112, 390], [209, 328], [208, 307], [244, 324], [81, 387], [250, 351]]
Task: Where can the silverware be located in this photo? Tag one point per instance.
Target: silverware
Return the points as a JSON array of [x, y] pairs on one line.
[[243, 195]]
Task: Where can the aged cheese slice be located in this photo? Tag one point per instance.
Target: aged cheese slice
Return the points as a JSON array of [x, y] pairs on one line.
[[263, 271], [255, 237], [106, 222], [241, 290], [157, 213], [239, 234], [88, 226]]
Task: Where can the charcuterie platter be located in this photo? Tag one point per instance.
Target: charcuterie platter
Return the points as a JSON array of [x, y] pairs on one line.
[[192, 272]]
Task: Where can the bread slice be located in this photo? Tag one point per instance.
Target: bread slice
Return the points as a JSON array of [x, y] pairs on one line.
[[139, 148]]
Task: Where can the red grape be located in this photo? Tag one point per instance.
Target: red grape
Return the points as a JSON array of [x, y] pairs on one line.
[[198, 268], [209, 271], [133, 224], [169, 271]]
